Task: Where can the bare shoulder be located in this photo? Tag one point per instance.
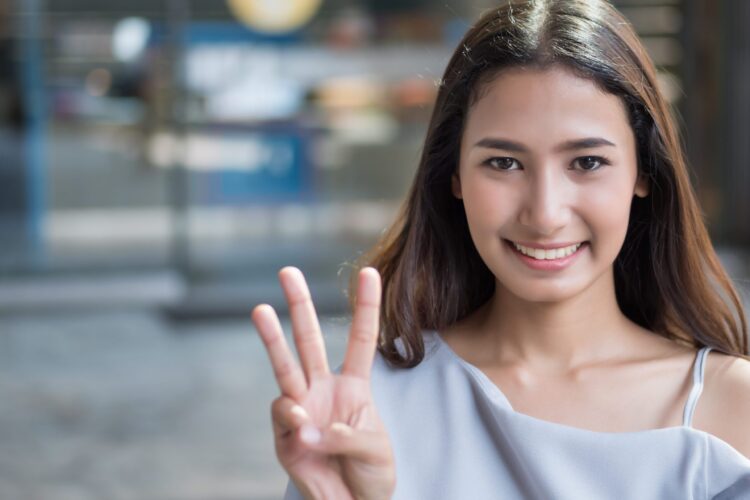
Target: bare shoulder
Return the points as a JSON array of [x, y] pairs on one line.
[[724, 407]]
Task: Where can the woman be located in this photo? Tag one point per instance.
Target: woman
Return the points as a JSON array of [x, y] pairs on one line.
[[551, 301]]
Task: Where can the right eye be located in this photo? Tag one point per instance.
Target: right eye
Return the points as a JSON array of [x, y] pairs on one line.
[[502, 163]]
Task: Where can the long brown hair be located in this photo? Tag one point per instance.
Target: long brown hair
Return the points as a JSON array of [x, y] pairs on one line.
[[668, 278]]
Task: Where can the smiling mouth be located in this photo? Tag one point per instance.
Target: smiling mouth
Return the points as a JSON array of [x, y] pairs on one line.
[[546, 254]]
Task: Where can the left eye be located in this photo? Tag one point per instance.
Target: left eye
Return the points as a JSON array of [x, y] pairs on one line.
[[590, 163]]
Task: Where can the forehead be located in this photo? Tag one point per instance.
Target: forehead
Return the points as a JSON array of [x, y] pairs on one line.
[[542, 105]]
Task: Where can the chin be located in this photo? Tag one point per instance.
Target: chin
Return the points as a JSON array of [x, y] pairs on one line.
[[543, 291]]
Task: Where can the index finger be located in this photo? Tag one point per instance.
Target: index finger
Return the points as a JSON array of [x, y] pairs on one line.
[[363, 336]]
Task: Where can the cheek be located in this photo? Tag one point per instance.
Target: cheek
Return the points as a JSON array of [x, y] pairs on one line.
[[607, 210], [487, 204]]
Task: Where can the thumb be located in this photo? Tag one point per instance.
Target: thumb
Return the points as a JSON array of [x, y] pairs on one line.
[[367, 446]]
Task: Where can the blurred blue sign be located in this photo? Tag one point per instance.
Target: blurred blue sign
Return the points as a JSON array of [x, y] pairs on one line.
[[244, 167]]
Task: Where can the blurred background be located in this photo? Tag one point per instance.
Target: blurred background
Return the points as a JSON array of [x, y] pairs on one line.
[[160, 160]]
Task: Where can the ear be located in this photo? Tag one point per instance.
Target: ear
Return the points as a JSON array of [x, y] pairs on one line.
[[642, 186], [456, 186]]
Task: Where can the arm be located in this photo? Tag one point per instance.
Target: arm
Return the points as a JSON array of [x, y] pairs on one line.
[[725, 411]]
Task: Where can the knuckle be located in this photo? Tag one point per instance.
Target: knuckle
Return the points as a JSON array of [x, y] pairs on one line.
[[300, 298], [272, 339], [361, 334], [284, 369], [368, 303], [308, 336]]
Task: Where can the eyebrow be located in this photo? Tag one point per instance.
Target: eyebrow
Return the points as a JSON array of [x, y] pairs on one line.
[[508, 145]]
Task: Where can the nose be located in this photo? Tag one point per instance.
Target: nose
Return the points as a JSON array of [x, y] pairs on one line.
[[545, 207]]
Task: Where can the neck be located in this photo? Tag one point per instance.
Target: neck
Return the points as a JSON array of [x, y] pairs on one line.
[[554, 336]]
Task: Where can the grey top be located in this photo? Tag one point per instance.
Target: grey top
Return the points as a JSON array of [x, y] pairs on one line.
[[455, 436]]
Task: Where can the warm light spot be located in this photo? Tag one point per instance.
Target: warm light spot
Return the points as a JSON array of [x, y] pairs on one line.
[[275, 16]]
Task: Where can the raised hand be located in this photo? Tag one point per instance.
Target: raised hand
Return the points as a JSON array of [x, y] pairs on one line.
[[328, 435]]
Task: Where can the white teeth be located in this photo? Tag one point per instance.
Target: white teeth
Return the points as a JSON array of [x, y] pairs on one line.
[[540, 254]]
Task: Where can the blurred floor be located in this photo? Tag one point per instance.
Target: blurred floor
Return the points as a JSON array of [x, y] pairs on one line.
[[125, 405]]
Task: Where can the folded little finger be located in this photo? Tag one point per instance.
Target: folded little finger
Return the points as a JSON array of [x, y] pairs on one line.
[[287, 416], [371, 447]]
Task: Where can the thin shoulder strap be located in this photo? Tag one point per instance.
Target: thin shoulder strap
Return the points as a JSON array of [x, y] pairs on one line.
[[698, 371]]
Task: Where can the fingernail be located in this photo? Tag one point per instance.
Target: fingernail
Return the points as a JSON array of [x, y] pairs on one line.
[[309, 434], [298, 411], [342, 429]]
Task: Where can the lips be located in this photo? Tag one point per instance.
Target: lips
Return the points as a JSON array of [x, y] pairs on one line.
[[545, 264]]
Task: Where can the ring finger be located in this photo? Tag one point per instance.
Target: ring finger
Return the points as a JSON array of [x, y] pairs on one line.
[[288, 374]]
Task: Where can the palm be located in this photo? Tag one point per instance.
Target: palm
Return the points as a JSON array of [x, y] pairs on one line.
[[340, 398], [329, 398]]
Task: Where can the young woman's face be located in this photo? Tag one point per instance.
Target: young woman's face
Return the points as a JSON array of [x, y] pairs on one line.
[[548, 160]]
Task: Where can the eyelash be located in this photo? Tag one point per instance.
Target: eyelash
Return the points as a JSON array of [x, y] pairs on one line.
[[599, 159]]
